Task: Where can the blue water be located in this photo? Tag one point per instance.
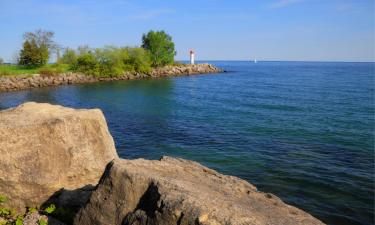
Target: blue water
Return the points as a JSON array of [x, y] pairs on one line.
[[303, 131]]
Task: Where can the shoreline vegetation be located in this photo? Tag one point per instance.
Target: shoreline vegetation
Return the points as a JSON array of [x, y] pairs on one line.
[[28, 81], [154, 58]]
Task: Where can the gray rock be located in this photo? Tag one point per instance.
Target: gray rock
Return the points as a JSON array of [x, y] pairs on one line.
[[176, 191]]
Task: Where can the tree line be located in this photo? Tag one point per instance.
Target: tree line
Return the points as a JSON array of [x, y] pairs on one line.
[[157, 50]]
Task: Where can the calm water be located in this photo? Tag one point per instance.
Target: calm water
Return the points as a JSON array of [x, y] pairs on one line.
[[303, 131]]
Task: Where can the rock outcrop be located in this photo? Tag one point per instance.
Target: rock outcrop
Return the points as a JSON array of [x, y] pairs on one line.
[[187, 69], [176, 191], [46, 149], [55, 153], [20, 82]]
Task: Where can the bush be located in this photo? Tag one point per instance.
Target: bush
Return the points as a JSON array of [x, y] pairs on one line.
[[139, 59], [3, 199], [48, 71], [69, 57], [50, 209], [54, 69], [42, 222], [87, 64], [112, 61]]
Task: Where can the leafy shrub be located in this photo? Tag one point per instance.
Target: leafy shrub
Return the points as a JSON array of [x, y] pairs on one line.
[[31, 209], [53, 69], [42, 221], [7, 213], [69, 57], [19, 220], [50, 209], [112, 61], [88, 64], [3, 199], [139, 59], [48, 71]]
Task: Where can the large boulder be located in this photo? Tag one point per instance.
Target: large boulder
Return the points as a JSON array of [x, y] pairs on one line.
[[46, 148], [176, 191]]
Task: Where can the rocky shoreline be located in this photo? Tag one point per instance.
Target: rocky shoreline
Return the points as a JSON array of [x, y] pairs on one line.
[[56, 155], [27, 81]]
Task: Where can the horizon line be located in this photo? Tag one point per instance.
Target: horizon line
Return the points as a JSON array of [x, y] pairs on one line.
[[243, 60]]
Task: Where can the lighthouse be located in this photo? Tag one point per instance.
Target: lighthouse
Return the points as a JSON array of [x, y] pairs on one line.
[[191, 57]]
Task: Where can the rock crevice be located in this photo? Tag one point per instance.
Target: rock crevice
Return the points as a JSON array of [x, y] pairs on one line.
[[177, 191]]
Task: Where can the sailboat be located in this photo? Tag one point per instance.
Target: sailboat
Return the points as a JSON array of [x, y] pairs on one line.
[[255, 61]]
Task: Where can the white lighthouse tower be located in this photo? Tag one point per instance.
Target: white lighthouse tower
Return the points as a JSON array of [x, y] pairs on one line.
[[192, 57]]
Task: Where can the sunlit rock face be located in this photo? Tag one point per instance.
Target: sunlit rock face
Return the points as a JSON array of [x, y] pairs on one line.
[[45, 148], [176, 191]]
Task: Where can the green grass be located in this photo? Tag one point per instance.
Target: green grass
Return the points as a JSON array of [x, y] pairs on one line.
[[8, 70], [13, 70]]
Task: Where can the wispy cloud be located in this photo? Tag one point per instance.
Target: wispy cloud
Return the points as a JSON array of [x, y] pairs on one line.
[[284, 3], [349, 7], [150, 14]]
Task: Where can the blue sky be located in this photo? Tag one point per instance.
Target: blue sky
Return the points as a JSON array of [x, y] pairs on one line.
[[313, 30]]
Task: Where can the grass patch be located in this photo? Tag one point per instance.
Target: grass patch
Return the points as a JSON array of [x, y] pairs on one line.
[[9, 70], [50, 69]]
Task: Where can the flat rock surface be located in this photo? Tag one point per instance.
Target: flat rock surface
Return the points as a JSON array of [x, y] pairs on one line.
[[176, 191], [45, 148]]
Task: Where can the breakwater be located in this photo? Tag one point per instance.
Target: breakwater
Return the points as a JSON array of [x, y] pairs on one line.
[[27, 81]]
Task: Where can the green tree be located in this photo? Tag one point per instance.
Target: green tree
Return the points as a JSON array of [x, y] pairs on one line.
[[69, 57], [32, 55], [37, 47], [83, 49], [42, 38], [160, 46]]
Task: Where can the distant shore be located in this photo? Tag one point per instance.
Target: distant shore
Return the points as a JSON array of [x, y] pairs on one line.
[[28, 81]]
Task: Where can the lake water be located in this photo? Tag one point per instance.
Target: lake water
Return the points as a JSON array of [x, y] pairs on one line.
[[303, 131]]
